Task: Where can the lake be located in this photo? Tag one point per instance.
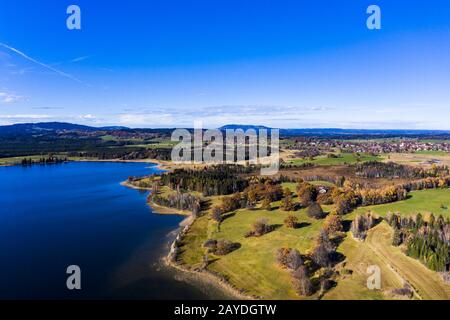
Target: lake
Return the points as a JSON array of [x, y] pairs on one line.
[[77, 213]]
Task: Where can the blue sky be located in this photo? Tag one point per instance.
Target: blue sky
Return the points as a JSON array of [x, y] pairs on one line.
[[279, 63]]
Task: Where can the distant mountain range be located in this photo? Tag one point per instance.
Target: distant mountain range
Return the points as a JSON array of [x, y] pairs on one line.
[[243, 127], [43, 127]]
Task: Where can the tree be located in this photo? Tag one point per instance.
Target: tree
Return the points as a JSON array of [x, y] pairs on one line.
[[282, 256], [301, 282], [291, 221], [259, 228], [252, 198], [224, 247], [294, 260], [289, 258], [397, 238], [324, 250], [321, 256], [265, 204], [216, 214], [307, 193], [333, 223], [287, 204], [315, 211], [361, 224], [231, 203]]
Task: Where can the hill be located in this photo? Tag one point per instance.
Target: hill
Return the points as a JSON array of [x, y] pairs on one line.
[[43, 127]]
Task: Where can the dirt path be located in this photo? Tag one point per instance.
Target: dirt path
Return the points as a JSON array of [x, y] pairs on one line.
[[427, 284]]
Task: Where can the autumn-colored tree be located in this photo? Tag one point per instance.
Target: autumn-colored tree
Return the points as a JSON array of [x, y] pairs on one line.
[[291, 221], [231, 203], [287, 204], [252, 198], [265, 204], [307, 193], [224, 247], [259, 228], [289, 258], [333, 223]]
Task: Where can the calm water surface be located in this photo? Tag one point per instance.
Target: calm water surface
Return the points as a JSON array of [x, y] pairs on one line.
[[78, 214]]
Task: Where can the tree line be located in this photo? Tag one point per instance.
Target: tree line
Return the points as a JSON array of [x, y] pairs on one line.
[[427, 241]]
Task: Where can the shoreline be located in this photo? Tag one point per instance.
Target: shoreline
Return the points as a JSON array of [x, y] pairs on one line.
[[160, 164], [168, 259], [203, 275]]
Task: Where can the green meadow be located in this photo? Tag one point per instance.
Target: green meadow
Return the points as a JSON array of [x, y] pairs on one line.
[[436, 201], [342, 158], [253, 269]]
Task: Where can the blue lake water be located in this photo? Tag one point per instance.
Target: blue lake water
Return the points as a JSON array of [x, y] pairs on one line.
[[78, 214]]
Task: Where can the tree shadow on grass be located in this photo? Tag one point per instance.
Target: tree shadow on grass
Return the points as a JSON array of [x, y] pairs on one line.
[[274, 227], [302, 225], [228, 215], [346, 224]]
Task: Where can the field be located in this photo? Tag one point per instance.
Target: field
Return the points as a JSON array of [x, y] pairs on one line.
[[395, 267], [420, 158], [253, 269], [253, 265], [436, 201], [342, 158], [18, 160]]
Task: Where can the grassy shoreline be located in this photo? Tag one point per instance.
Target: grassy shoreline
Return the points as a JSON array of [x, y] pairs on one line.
[[204, 275]]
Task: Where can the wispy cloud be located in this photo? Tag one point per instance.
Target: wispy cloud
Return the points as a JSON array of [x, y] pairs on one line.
[[22, 54], [80, 59], [47, 108], [6, 97], [217, 115]]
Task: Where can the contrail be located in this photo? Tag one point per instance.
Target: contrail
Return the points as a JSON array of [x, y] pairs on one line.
[[41, 64]]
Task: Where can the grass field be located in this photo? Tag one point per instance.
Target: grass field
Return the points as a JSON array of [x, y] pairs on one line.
[[343, 158], [432, 153], [420, 158], [18, 160], [253, 265], [424, 201], [395, 267], [253, 269]]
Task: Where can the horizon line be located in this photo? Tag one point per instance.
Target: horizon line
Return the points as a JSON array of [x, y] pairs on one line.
[[225, 125]]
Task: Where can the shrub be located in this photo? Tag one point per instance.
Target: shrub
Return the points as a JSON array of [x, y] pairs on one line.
[[259, 228], [315, 211], [291, 221], [210, 244], [224, 247], [289, 258]]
